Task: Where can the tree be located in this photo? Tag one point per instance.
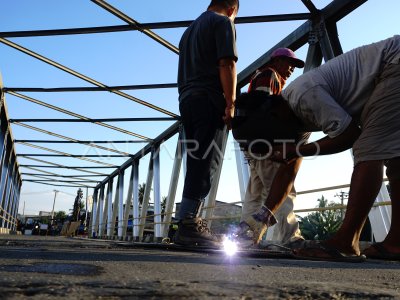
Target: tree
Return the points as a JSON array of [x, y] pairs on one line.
[[60, 215], [142, 188], [389, 189], [321, 225], [163, 204], [44, 220]]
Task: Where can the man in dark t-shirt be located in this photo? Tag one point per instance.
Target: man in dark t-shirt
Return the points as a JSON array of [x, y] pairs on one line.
[[207, 92]]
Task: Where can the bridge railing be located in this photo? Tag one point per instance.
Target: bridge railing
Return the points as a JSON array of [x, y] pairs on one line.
[[10, 178], [146, 224]]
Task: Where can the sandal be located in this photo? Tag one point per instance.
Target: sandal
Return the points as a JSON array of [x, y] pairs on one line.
[[320, 252], [378, 251]]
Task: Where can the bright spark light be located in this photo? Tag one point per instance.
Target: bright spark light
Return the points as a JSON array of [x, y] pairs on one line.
[[230, 247]]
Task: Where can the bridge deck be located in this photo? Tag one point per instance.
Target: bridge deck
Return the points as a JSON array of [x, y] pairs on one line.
[[50, 267]]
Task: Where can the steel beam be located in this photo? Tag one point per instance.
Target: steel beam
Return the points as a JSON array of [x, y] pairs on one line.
[[135, 201], [79, 156], [92, 230], [5, 165], [64, 111], [74, 168], [146, 196], [242, 169], [78, 141], [157, 195], [332, 13], [83, 77], [310, 6], [338, 9], [157, 25], [173, 184], [92, 88], [94, 120], [58, 180], [168, 133], [65, 185], [128, 203], [108, 207], [101, 210], [64, 176], [120, 205], [90, 144], [119, 14]]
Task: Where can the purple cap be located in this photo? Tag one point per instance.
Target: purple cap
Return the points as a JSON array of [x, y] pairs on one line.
[[286, 52]]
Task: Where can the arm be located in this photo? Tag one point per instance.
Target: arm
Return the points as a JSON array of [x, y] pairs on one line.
[[282, 184], [324, 146], [328, 145], [227, 75], [286, 174]]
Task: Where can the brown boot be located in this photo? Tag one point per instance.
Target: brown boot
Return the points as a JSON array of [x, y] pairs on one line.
[[244, 235], [194, 232], [260, 222]]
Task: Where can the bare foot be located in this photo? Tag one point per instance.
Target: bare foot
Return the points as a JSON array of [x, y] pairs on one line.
[[342, 247]]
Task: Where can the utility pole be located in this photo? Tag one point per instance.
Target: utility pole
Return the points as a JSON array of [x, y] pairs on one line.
[[342, 195], [54, 202], [86, 212]]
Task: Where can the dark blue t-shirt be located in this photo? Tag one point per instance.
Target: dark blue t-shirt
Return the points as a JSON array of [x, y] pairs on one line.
[[208, 39]]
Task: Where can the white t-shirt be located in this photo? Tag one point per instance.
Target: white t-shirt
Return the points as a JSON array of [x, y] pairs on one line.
[[329, 96]]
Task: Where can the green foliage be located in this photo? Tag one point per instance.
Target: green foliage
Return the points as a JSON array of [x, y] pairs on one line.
[[321, 225], [142, 188], [44, 220], [60, 215], [82, 204], [163, 204]]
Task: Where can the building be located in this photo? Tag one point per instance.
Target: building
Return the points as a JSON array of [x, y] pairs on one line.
[[225, 216]]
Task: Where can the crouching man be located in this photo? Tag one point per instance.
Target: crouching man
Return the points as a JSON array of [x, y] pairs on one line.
[[355, 100]]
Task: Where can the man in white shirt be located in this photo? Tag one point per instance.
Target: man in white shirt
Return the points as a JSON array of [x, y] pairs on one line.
[[355, 100]]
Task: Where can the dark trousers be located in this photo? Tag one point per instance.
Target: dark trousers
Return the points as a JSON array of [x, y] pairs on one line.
[[204, 132]]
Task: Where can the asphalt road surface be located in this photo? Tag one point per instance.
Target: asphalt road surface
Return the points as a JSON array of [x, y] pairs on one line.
[[37, 267]]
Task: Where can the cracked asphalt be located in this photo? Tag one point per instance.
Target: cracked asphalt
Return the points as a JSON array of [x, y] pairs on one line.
[[40, 267]]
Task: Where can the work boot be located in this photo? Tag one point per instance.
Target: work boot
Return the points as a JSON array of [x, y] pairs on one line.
[[296, 243], [243, 235], [261, 220], [194, 232], [250, 232], [258, 225]]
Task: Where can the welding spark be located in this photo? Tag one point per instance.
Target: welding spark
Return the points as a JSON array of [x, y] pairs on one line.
[[230, 246]]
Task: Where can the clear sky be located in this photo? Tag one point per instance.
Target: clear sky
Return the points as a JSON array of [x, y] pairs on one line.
[[127, 58]]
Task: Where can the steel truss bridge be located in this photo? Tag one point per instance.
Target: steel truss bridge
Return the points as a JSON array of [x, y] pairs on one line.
[[112, 205]]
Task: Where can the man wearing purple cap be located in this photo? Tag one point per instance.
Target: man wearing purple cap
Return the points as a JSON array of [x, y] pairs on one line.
[[269, 79]]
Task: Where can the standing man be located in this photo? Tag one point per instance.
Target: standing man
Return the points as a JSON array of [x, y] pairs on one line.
[[271, 80], [207, 92]]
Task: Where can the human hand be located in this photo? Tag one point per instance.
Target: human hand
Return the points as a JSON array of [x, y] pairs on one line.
[[285, 153], [229, 113]]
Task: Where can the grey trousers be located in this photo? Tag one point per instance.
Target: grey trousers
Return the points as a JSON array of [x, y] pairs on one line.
[[262, 173], [380, 119]]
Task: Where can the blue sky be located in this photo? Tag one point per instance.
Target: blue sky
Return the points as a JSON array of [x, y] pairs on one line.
[[127, 58]]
